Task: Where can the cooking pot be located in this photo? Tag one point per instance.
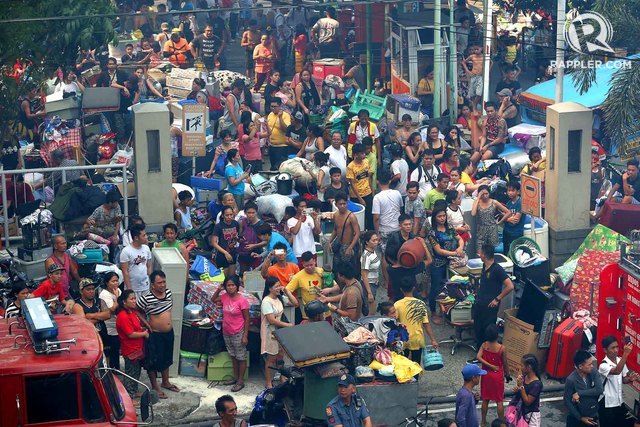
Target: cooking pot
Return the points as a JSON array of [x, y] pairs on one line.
[[193, 313], [285, 184]]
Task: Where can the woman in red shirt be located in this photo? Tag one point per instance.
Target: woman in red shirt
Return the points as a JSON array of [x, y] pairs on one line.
[[263, 56], [300, 43], [132, 336]]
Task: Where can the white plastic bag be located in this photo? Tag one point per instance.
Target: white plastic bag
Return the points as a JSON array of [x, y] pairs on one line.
[[123, 156], [296, 168], [273, 204]]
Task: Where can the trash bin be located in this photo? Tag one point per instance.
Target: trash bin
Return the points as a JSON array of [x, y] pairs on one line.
[[541, 234]]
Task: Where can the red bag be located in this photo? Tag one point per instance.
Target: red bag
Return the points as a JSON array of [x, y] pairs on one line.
[[215, 104], [566, 340], [383, 356]]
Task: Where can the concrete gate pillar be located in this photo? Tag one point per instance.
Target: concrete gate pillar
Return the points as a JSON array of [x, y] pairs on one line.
[[568, 178], [152, 157]]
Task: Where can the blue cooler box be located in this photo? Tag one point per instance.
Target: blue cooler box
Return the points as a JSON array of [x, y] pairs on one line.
[[405, 104]]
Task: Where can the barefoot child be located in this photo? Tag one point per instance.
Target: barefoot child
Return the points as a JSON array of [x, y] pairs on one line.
[[475, 75]]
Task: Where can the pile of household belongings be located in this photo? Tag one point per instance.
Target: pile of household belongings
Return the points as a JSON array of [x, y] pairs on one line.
[[376, 345], [456, 295], [58, 134], [579, 276], [201, 293], [75, 199]]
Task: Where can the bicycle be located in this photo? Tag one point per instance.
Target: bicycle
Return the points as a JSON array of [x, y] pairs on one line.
[[420, 419]]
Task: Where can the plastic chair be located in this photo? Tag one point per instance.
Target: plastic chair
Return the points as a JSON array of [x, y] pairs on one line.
[[367, 100], [457, 339]]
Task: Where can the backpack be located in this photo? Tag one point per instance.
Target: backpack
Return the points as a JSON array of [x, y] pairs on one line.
[[501, 169], [215, 104], [431, 181], [365, 301]]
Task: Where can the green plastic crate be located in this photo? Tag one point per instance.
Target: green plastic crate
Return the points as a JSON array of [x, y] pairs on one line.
[[220, 367], [374, 104], [192, 364]]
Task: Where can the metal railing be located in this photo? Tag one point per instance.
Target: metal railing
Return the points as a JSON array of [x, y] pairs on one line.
[[47, 172]]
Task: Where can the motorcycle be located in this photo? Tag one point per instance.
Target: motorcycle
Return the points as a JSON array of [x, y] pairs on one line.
[[281, 404]]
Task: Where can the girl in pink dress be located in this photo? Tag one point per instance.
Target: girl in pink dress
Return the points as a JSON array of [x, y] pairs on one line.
[[493, 357]]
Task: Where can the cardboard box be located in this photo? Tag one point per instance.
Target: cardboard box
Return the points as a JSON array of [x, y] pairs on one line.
[[520, 339]]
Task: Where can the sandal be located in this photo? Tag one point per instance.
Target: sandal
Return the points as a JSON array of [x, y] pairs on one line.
[[237, 387], [171, 387], [229, 382]]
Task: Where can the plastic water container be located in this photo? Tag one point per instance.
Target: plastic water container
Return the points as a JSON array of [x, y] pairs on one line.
[[358, 211], [541, 234], [256, 101]]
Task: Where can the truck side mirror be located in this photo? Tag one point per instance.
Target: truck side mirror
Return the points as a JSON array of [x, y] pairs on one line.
[[145, 405]]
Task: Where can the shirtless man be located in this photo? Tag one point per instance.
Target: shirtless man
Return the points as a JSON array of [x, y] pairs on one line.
[[404, 132], [475, 75], [346, 234], [250, 39], [155, 306]]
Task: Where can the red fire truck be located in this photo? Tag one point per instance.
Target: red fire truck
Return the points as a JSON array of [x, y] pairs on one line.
[[53, 373], [619, 308]]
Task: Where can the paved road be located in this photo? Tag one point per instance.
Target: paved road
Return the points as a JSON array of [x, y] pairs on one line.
[[551, 408]]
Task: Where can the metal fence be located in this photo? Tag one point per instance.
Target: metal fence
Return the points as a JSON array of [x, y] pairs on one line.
[[52, 177]]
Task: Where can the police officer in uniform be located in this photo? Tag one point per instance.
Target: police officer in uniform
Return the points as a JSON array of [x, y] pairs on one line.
[[347, 409]]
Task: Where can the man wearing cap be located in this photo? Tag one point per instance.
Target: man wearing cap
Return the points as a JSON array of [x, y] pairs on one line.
[[88, 306], [165, 34], [508, 110], [296, 132], [466, 414], [62, 258], [52, 287], [347, 409], [177, 49]]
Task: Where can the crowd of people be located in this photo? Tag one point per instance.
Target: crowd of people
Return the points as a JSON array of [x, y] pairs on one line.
[[411, 184]]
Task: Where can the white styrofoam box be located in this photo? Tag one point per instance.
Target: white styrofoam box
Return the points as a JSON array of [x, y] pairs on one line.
[[253, 282], [460, 314]]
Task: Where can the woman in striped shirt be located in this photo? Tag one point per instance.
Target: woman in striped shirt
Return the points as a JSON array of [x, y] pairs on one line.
[[19, 291]]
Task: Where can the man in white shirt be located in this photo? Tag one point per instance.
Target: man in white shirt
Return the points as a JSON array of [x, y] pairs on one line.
[[337, 153], [135, 261], [614, 372], [386, 209], [425, 174], [303, 227], [328, 31], [399, 170]]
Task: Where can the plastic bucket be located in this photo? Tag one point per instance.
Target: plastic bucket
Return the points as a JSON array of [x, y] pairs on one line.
[[256, 101], [285, 184]]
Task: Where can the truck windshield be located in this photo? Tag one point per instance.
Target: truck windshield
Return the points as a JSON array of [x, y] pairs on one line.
[[111, 390]]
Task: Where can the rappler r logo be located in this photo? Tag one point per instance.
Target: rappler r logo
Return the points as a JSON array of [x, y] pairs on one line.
[[589, 32]]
